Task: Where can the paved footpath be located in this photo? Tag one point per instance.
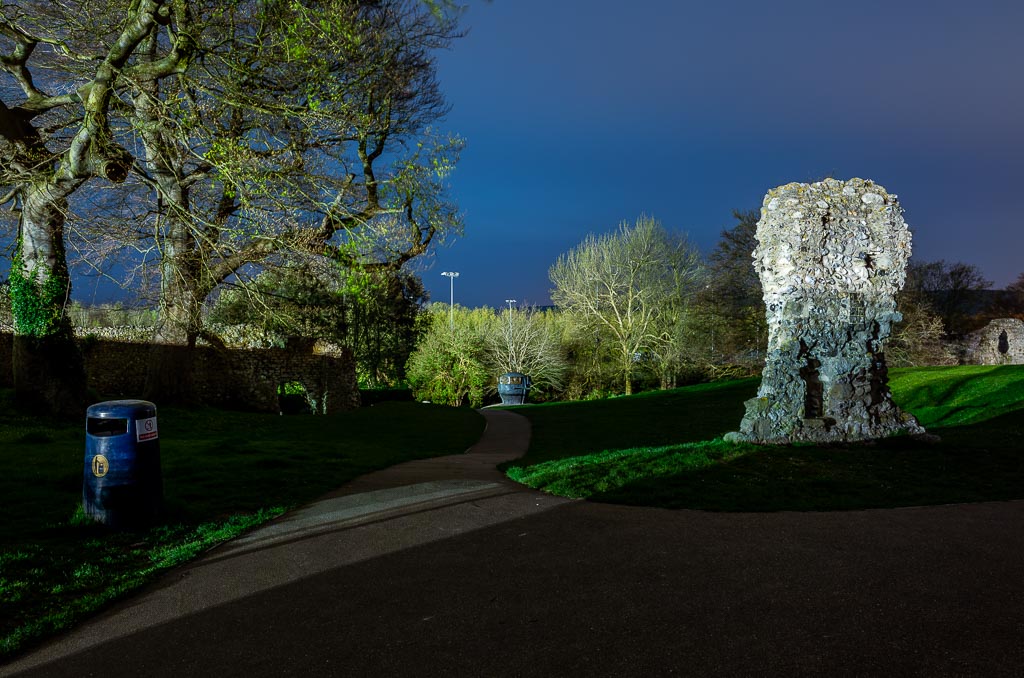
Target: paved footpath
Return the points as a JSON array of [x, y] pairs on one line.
[[443, 567]]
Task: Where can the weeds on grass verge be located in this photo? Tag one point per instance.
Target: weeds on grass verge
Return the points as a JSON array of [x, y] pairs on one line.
[[91, 568]]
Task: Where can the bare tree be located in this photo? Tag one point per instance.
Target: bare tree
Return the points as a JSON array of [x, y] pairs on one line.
[[952, 290], [1011, 300], [918, 339], [622, 283], [521, 341]]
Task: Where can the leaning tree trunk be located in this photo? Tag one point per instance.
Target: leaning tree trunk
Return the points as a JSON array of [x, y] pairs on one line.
[[48, 369]]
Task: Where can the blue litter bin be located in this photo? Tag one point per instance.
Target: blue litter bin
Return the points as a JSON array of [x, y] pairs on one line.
[[122, 483], [513, 387]]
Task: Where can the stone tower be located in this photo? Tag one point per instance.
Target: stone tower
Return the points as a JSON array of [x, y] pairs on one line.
[[831, 257]]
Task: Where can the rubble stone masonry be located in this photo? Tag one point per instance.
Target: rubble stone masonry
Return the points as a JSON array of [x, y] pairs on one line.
[[831, 257], [246, 378], [1001, 342]]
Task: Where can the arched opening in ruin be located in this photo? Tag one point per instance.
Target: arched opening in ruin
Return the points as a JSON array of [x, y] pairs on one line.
[[878, 378], [1004, 343], [292, 398], [814, 398]]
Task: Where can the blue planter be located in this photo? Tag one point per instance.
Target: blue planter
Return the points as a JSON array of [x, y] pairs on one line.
[[513, 387]]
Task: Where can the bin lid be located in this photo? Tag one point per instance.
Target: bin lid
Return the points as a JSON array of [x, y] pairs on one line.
[[513, 380], [121, 409]]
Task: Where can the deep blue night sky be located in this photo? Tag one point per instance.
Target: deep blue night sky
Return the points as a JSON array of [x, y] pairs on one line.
[[580, 114]]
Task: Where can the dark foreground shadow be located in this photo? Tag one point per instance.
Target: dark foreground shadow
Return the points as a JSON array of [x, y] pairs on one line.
[[597, 590]]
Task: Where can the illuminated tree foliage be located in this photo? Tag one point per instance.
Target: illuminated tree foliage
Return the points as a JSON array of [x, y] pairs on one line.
[[449, 365], [235, 131], [372, 313], [628, 284]]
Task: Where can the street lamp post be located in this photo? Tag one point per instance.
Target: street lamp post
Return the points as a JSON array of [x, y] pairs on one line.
[[510, 302], [451, 275]]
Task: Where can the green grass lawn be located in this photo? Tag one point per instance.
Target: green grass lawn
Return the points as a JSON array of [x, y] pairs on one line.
[[224, 472], [665, 449]]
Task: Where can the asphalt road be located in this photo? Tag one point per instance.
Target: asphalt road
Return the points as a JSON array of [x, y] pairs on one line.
[[458, 572]]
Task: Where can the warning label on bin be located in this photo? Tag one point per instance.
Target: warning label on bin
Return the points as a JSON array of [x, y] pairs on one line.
[[145, 429]]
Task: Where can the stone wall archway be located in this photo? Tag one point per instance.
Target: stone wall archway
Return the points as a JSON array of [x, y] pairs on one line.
[[1001, 342]]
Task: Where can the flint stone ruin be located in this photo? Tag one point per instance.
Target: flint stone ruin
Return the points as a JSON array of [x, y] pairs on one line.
[[831, 257], [1001, 342]]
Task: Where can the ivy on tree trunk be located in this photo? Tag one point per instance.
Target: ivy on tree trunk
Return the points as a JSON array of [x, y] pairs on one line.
[[48, 370]]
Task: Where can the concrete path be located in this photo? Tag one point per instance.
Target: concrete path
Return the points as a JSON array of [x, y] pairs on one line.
[[445, 568]]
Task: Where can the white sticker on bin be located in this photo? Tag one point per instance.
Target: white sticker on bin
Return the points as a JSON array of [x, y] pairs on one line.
[[145, 429]]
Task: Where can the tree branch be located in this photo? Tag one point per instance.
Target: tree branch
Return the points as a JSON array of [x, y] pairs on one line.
[[93, 151]]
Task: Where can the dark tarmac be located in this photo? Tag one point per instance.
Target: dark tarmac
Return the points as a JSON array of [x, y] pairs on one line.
[[445, 568]]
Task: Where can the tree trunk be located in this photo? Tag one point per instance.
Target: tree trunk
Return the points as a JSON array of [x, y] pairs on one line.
[[169, 378], [627, 374], [48, 369], [49, 376]]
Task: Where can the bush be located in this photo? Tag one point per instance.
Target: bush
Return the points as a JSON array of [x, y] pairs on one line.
[[448, 366]]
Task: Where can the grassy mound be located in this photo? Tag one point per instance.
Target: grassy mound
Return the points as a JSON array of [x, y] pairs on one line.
[[590, 450], [957, 396]]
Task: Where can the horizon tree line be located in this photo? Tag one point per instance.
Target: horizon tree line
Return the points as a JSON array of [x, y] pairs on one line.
[[626, 317], [637, 301]]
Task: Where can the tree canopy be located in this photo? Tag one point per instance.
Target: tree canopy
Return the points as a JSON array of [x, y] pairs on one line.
[[207, 137], [624, 283]]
